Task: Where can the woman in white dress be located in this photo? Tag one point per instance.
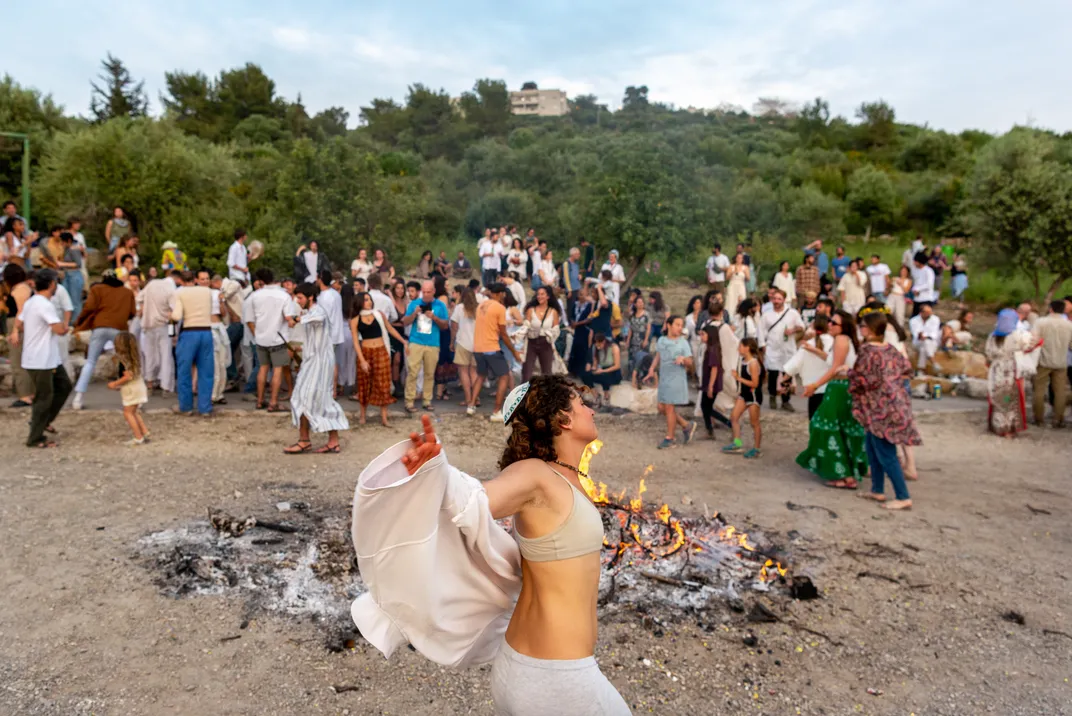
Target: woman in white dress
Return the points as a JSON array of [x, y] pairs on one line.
[[737, 275], [900, 290], [517, 259], [784, 280], [744, 322], [361, 266], [312, 404]]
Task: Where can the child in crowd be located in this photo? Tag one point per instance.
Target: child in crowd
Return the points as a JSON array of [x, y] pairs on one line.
[[750, 377], [131, 386]]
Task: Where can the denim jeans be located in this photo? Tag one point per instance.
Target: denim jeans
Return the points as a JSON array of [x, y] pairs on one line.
[[251, 380], [74, 283], [882, 457], [234, 336], [195, 348], [97, 340]]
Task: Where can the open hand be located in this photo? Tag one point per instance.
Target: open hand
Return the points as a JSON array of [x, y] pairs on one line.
[[424, 447], [809, 390]]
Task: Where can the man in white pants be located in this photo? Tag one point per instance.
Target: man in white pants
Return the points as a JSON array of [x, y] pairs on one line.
[[926, 331], [156, 343]]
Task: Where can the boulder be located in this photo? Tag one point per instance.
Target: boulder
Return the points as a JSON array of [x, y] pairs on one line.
[[924, 387], [973, 388], [642, 401]]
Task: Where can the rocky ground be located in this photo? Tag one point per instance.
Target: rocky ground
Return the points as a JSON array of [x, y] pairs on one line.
[[961, 606]]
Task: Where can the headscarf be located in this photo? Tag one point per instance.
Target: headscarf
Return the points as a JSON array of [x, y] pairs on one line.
[[1008, 319]]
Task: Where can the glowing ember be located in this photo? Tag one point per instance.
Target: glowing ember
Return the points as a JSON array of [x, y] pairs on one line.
[[656, 534]]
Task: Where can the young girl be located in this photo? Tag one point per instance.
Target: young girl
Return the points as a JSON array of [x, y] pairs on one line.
[[131, 386], [673, 358], [750, 378]]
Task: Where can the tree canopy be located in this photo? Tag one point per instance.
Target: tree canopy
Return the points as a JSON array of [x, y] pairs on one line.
[[431, 171]]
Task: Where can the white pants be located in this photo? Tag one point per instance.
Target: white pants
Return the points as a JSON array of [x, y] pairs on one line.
[[221, 359], [927, 348], [159, 361]]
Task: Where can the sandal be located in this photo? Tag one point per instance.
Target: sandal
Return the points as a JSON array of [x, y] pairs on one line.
[[871, 496], [276, 409], [328, 450], [261, 406], [848, 483], [44, 444], [298, 448], [50, 430]]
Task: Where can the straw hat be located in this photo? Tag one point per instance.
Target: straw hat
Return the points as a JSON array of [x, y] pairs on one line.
[[169, 245]]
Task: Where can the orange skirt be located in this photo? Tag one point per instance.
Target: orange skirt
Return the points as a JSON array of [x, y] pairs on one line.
[[374, 386]]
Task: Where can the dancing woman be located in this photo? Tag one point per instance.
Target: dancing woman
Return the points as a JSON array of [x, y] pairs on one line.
[[544, 662], [836, 452], [373, 338]]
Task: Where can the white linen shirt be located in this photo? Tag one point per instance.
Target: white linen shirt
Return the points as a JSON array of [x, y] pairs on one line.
[[779, 348], [40, 346], [237, 255]]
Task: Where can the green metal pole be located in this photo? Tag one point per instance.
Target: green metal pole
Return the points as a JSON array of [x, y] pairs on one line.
[[26, 181]]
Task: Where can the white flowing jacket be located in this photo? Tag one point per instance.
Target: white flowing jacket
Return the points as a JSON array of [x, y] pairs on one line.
[[442, 575]]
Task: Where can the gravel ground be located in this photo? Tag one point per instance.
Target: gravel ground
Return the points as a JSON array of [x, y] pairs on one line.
[[85, 629]]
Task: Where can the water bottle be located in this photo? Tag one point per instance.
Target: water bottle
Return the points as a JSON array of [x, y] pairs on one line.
[[937, 391]]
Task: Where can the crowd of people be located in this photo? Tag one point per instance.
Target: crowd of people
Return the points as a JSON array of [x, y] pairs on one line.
[[387, 333]]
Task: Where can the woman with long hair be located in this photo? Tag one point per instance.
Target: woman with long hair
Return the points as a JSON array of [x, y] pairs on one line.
[[542, 318], [361, 267], [127, 247], [673, 358], [373, 338], [737, 276], [17, 289], [836, 452], [116, 229], [881, 406], [517, 259], [712, 380], [745, 320], [381, 265], [785, 281], [605, 367], [900, 291], [546, 662], [582, 332], [640, 332], [462, 329], [401, 301], [1006, 404], [424, 266]]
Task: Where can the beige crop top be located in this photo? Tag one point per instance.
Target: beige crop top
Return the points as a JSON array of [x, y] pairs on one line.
[[581, 533]]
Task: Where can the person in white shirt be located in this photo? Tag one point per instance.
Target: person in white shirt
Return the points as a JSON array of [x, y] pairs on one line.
[[879, 275], [617, 271], [851, 289], [238, 257], [717, 263], [811, 362], [381, 301], [269, 307], [362, 268], [338, 329], [1027, 317], [39, 328], [61, 301], [490, 251], [926, 329], [778, 330], [922, 284]]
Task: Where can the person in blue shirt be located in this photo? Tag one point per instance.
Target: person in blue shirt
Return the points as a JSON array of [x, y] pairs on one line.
[[428, 316], [840, 263], [822, 261]]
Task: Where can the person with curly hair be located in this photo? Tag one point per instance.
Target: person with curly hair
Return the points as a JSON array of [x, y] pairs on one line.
[[547, 655]]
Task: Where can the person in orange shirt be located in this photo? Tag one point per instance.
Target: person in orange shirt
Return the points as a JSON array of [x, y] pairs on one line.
[[489, 337]]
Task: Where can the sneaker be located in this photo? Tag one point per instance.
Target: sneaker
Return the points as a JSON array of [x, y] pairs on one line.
[[732, 448], [135, 441], [688, 433], [788, 407], [76, 404], [496, 417], [752, 454], [666, 444], [470, 411]]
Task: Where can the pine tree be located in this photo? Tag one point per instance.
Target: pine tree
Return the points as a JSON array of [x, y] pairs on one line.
[[120, 96]]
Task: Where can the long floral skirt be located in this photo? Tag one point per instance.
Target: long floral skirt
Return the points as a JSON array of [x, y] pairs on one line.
[[1008, 408], [374, 387], [835, 440]]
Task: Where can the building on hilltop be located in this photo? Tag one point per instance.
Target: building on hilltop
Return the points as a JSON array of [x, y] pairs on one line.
[[534, 102]]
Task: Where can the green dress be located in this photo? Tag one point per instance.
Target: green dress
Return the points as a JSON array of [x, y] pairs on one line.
[[835, 440]]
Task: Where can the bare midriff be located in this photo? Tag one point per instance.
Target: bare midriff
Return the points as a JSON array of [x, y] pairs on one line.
[[372, 343], [555, 617]]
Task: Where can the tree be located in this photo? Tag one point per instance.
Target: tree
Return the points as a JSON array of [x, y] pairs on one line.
[[812, 120], [586, 110], [878, 126], [528, 86], [1019, 204], [244, 92], [29, 112], [385, 120], [488, 108], [192, 104], [772, 107], [872, 197], [636, 98], [117, 95], [808, 213], [330, 122]]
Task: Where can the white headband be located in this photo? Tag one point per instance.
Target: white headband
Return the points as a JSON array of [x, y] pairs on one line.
[[513, 400]]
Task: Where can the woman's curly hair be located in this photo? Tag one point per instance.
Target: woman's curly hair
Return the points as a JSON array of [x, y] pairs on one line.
[[539, 419]]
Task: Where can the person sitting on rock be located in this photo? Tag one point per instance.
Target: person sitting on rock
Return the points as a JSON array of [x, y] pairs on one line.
[[956, 334]]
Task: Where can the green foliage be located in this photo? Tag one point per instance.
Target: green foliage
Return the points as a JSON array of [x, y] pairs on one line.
[[29, 112], [1019, 204], [871, 197], [117, 95]]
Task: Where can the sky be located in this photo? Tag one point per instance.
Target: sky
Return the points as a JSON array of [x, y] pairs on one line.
[[950, 64]]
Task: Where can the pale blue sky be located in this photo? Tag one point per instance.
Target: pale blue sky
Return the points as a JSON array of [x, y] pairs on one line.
[[954, 64]]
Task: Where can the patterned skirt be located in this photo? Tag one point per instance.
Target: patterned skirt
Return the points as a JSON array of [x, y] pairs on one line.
[[374, 387], [1007, 408], [835, 440]]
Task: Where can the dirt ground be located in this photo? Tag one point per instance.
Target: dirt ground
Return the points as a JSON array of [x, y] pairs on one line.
[[84, 630]]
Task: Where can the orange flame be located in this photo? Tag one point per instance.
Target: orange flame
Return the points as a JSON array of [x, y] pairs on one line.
[[765, 571]]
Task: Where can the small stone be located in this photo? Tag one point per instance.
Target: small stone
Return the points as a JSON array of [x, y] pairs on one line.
[[283, 506]]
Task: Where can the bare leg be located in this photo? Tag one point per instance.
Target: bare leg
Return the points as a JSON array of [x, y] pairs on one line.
[[130, 415], [500, 392], [910, 472], [303, 430], [277, 380], [753, 414], [262, 380], [735, 418], [671, 421], [383, 416], [141, 423], [333, 438]]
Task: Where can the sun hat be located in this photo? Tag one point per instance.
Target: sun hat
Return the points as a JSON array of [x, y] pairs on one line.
[[1008, 319], [169, 245]]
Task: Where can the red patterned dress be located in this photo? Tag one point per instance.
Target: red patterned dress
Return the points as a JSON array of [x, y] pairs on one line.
[[880, 402]]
